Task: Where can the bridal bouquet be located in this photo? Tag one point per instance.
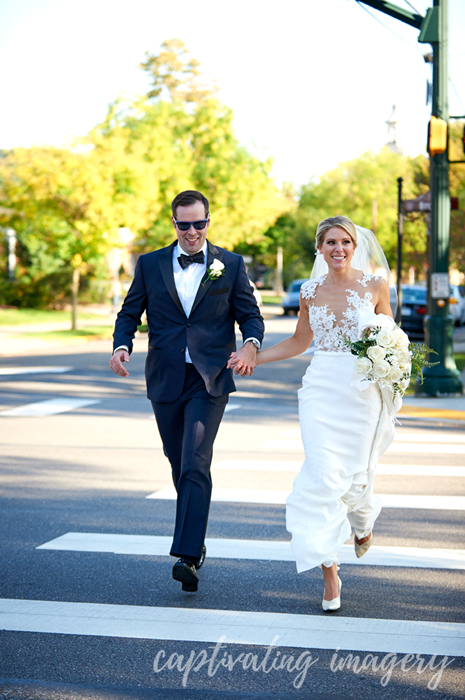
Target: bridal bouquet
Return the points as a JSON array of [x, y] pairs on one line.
[[385, 355]]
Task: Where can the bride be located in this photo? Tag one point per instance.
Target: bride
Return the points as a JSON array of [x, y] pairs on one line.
[[344, 429]]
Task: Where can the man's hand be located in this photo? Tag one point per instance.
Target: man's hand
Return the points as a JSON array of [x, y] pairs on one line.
[[116, 363], [244, 360]]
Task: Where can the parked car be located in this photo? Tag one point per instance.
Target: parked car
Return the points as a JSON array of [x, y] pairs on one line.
[[457, 304], [414, 307], [291, 301]]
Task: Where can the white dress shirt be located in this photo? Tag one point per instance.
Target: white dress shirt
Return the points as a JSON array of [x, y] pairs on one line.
[[187, 283]]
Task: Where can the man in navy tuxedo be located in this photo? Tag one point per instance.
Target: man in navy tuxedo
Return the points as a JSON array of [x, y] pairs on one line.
[[193, 293]]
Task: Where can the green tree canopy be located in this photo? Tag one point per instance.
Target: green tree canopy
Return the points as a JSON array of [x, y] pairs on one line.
[[67, 205]]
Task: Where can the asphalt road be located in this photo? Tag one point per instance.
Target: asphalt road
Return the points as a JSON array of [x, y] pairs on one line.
[[89, 469]]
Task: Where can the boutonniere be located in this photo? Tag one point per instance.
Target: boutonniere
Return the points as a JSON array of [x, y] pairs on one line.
[[215, 270]]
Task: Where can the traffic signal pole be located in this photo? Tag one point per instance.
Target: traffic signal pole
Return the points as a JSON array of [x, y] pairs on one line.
[[443, 378]]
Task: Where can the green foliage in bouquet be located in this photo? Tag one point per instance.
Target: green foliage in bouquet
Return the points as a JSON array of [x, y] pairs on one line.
[[419, 352]]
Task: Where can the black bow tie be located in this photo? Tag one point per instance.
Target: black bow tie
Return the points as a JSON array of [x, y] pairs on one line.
[[185, 260]]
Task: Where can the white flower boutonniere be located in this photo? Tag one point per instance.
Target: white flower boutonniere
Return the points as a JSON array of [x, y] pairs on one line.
[[215, 270]]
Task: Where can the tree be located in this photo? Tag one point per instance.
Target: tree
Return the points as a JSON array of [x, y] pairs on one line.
[[174, 74], [365, 190], [69, 204]]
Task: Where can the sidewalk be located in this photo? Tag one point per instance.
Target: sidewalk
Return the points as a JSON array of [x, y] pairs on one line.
[[21, 339]]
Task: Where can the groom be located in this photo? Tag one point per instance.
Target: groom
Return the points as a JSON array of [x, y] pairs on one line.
[[193, 293]]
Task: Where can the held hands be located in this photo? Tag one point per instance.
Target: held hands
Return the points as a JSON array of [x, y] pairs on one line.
[[243, 361], [116, 363]]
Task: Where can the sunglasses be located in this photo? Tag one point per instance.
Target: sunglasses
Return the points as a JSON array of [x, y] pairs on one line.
[[185, 225]]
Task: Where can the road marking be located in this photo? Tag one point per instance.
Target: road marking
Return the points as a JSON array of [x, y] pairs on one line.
[[400, 437], [294, 467], [267, 550], [232, 407], [233, 627], [278, 498], [33, 370], [49, 407], [415, 448]]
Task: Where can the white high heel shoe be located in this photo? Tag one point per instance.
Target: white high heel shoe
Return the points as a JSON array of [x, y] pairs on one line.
[[335, 603]]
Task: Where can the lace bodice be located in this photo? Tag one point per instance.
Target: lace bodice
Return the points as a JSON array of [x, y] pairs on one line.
[[325, 326]]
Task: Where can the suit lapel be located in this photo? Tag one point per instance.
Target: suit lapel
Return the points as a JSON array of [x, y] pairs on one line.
[[166, 269], [206, 283]]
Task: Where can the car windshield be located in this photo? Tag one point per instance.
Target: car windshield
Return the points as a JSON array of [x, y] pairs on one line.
[[414, 295]]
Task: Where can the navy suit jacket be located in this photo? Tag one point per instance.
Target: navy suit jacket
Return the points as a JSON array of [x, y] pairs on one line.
[[208, 332]]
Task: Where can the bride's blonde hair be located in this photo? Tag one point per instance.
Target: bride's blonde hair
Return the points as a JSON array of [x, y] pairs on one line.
[[339, 221]]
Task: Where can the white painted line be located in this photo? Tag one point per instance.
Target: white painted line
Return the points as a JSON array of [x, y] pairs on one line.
[[233, 627], [257, 465], [262, 496], [294, 467], [7, 371], [450, 438], [267, 550], [281, 445], [232, 407], [435, 437], [415, 448], [418, 448], [49, 407], [231, 495], [291, 433], [419, 470]]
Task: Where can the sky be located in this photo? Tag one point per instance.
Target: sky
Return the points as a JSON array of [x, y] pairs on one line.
[[311, 82]]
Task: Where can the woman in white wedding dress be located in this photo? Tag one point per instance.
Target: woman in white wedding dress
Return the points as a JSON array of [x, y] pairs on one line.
[[344, 429]]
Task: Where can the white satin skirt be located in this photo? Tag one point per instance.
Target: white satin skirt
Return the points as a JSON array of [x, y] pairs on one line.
[[344, 431]]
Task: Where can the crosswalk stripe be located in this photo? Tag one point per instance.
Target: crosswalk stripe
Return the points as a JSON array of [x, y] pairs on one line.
[[275, 497], [416, 448], [232, 407], [268, 550], [49, 407], [287, 466], [233, 627], [8, 371], [294, 433]]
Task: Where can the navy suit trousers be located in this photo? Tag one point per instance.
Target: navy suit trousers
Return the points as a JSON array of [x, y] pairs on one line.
[[188, 428]]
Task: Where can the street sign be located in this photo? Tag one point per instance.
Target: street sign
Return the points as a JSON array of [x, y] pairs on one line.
[[440, 285], [423, 203], [420, 203]]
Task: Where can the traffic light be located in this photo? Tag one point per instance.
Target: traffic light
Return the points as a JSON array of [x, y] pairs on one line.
[[437, 136]]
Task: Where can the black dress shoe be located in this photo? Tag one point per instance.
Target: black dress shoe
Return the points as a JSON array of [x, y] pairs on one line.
[[202, 557], [185, 571]]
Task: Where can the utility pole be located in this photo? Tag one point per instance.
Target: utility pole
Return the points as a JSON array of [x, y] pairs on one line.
[[400, 222], [444, 378]]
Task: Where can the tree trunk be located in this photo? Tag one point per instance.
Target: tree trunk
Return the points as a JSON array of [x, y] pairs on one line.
[[278, 287], [75, 294]]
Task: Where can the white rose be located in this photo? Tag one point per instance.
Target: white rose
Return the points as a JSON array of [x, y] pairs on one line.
[[217, 265], [403, 356], [401, 338], [381, 369], [385, 338], [376, 353], [395, 375], [363, 365]]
